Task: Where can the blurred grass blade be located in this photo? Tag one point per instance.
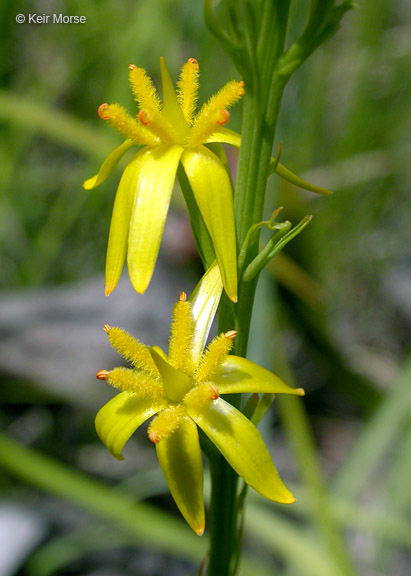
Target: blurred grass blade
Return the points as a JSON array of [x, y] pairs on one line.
[[287, 541], [59, 126], [292, 276], [141, 524], [149, 527], [62, 551], [387, 525], [381, 432]]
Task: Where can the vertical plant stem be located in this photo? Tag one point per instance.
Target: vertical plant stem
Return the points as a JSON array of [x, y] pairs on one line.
[[260, 114]]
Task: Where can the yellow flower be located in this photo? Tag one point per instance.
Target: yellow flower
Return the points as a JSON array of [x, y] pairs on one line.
[[182, 391], [169, 134]]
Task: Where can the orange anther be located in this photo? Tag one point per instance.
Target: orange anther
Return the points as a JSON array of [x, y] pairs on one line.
[[101, 110], [154, 437], [182, 297], [132, 66], [143, 118], [214, 393], [231, 334], [193, 61], [224, 117], [102, 375]]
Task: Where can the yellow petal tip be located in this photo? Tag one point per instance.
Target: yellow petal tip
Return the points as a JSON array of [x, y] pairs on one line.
[[90, 183], [139, 281], [301, 391], [289, 499], [109, 287], [233, 296], [199, 531], [118, 457]]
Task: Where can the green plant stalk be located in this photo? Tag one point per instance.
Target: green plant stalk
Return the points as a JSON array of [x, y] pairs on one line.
[[258, 132]]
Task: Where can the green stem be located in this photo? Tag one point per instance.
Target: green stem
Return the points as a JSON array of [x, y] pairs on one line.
[[260, 114]]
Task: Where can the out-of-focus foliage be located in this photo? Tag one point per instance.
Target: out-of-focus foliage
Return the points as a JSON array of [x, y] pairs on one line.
[[342, 310]]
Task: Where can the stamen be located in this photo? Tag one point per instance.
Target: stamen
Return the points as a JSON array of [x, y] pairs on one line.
[[132, 350], [106, 328], [165, 423], [159, 127], [153, 436], [194, 61], [187, 88], [101, 111], [215, 112], [201, 396], [214, 394], [143, 118], [126, 125], [214, 356], [143, 89], [182, 329], [224, 117], [231, 334], [135, 382], [102, 375]]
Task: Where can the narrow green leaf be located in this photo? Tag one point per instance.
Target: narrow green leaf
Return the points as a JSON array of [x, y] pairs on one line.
[[144, 523], [286, 174]]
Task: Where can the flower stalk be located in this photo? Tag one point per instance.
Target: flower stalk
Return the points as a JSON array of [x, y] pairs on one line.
[[258, 132], [254, 37]]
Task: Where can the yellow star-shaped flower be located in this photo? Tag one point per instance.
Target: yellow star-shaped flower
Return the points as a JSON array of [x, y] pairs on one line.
[[182, 390], [169, 134]]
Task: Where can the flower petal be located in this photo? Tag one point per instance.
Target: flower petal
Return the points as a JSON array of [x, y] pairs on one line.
[[117, 420], [151, 202], [241, 444], [120, 221], [238, 375], [159, 351], [176, 384], [212, 190], [204, 303], [180, 461], [171, 108], [225, 136], [108, 165]]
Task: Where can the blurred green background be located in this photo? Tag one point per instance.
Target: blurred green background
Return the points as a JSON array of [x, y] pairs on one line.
[[337, 305]]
